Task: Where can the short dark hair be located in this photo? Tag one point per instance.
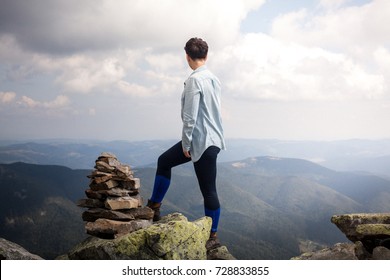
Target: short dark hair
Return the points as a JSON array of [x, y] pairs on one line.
[[196, 48]]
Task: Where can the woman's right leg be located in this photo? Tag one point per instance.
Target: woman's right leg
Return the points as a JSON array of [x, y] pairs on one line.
[[166, 161]]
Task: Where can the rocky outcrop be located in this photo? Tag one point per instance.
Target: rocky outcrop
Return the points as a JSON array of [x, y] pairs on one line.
[[13, 251], [371, 229], [369, 234], [172, 238], [339, 251]]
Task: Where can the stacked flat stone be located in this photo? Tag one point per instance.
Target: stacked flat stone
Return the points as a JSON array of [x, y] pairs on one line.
[[113, 200]]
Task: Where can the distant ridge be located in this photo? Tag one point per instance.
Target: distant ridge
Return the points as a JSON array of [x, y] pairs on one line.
[[344, 155]]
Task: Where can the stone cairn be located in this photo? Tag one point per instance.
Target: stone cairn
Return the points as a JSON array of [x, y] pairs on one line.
[[113, 200]]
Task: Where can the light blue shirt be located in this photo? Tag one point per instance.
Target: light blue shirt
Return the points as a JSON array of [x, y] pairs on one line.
[[201, 113]]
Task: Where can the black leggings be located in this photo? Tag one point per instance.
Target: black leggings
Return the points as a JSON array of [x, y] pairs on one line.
[[205, 169]]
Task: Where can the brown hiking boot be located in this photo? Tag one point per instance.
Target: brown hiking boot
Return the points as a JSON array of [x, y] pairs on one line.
[[155, 206], [213, 242]]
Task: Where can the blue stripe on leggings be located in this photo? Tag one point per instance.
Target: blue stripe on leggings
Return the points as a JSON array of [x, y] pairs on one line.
[[214, 215], [160, 188]]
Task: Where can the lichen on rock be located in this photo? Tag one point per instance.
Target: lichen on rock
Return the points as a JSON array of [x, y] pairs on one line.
[[173, 238]]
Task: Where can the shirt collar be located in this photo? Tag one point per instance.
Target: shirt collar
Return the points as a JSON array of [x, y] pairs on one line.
[[201, 68]]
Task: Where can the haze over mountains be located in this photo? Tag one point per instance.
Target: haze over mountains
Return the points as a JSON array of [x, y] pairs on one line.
[[344, 155], [271, 203]]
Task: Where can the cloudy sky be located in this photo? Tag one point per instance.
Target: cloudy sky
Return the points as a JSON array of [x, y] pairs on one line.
[[114, 70]]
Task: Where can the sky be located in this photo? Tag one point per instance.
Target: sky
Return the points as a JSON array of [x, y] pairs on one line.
[[114, 70]]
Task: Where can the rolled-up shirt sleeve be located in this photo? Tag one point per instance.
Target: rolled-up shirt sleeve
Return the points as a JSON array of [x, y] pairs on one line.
[[189, 110]]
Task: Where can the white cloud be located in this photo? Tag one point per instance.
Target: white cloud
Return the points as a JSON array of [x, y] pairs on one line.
[[381, 57], [28, 102], [97, 72], [268, 69], [133, 89], [7, 97], [346, 28], [59, 102], [165, 62], [84, 74], [333, 4]]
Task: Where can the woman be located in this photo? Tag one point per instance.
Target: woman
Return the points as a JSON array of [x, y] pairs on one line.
[[202, 137]]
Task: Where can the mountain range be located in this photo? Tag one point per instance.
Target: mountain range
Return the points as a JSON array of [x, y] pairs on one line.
[[270, 205], [343, 155]]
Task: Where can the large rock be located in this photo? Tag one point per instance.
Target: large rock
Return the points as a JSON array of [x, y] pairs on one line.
[[352, 225], [372, 229], [340, 251], [381, 253], [369, 232], [13, 251], [173, 238], [106, 228], [220, 253], [119, 203], [93, 214]]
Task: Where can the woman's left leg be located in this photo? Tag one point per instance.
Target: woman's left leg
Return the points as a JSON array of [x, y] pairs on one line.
[[206, 172]]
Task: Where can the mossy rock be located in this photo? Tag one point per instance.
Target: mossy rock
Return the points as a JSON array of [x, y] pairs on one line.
[[173, 238]]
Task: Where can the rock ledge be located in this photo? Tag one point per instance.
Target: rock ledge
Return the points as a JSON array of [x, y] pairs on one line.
[[369, 234]]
